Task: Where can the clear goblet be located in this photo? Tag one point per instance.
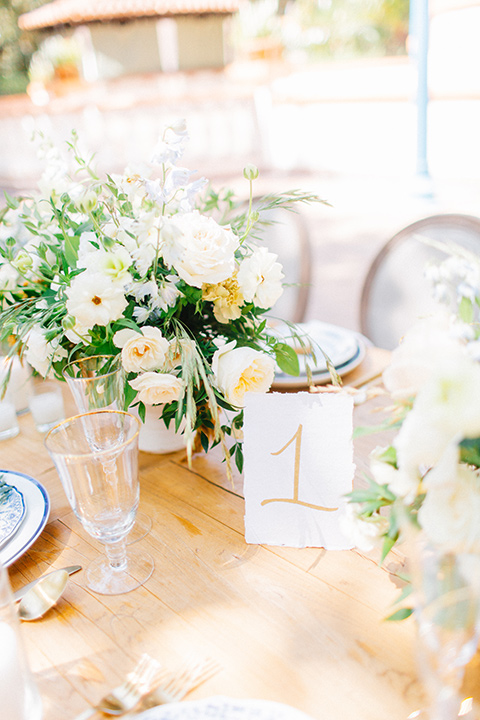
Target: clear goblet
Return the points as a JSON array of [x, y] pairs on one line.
[[96, 457], [98, 382], [446, 609]]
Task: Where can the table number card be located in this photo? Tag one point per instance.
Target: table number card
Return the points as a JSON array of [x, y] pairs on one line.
[[298, 466]]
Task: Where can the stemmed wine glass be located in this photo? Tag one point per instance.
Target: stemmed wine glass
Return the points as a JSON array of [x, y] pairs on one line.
[[446, 609], [98, 382], [96, 457]]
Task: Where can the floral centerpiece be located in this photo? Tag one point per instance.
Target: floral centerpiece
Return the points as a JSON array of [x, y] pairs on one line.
[[156, 267]]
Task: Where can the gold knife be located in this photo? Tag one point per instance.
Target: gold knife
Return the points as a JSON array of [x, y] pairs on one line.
[[18, 594]]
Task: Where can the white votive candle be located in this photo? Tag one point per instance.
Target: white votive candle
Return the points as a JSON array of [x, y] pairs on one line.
[[47, 409], [20, 381], [12, 680], [8, 420]]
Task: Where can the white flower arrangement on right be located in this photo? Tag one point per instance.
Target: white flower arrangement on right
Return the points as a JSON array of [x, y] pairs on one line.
[[429, 476]]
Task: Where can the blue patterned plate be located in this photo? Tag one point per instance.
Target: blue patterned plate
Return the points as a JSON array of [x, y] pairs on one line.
[[12, 511], [37, 509]]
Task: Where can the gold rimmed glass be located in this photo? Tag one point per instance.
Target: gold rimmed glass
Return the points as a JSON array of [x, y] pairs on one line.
[[98, 382], [96, 457]]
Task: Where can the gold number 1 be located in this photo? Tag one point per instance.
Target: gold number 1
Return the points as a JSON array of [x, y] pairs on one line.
[[297, 437]]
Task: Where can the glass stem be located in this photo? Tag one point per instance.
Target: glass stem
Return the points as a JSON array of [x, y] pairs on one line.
[[117, 555]]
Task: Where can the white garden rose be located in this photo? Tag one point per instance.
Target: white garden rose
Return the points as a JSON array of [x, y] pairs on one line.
[[260, 278], [424, 346], [142, 351], [157, 388], [93, 299], [449, 514], [207, 250], [241, 370]]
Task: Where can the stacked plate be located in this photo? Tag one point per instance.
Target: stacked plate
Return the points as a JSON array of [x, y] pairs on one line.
[[224, 708], [314, 341], [24, 509]]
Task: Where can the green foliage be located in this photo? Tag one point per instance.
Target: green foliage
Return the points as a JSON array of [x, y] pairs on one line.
[[16, 46]]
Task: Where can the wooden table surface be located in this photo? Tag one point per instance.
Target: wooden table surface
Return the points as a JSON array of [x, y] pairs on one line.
[[303, 627]]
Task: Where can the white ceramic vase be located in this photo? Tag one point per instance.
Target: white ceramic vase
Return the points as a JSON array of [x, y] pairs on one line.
[[155, 437]]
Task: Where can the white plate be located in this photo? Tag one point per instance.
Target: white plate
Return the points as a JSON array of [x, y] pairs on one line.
[[224, 708], [344, 347], [37, 505]]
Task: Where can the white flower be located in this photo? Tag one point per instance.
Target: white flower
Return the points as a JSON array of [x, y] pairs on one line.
[[112, 263], [170, 243], [446, 408], [95, 300], [40, 353], [208, 250], [449, 514], [78, 333], [425, 346], [260, 278], [142, 351], [399, 481], [241, 370], [157, 388], [8, 277], [365, 533], [88, 244]]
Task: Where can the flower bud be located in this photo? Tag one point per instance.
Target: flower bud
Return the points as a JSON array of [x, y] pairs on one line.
[[22, 262], [68, 322], [87, 202], [250, 172]]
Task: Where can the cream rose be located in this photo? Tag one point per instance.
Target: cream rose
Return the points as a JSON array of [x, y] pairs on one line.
[[157, 388], [142, 351], [207, 250], [241, 370]]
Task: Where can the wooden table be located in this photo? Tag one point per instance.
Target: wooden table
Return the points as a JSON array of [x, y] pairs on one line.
[[303, 627]]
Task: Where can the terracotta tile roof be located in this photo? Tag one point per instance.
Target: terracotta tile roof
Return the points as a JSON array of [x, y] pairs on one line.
[[79, 12]]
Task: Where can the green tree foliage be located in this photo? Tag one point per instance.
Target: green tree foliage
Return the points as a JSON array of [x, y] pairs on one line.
[[346, 28], [16, 46]]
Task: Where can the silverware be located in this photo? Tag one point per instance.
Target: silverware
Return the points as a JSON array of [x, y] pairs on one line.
[[178, 684], [18, 595], [124, 697], [42, 596]]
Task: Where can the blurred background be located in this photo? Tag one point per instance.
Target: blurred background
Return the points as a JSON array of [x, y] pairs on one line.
[[372, 104]]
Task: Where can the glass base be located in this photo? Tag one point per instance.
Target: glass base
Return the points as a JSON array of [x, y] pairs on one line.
[[141, 527], [103, 579], [465, 709]]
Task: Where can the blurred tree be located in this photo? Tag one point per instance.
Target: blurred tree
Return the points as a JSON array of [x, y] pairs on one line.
[[16, 47], [339, 29]]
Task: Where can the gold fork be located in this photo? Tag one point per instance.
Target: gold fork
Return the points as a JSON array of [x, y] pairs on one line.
[[178, 684], [124, 697]]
